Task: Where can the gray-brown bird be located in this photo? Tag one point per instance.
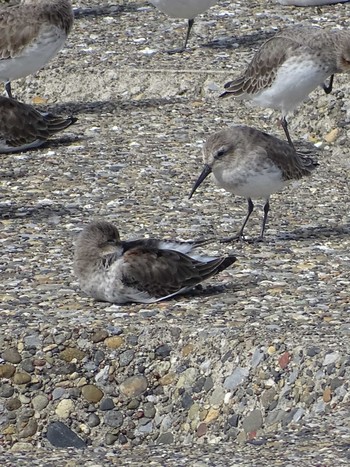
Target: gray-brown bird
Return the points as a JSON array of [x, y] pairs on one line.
[[290, 65], [143, 271], [23, 127], [253, 164]]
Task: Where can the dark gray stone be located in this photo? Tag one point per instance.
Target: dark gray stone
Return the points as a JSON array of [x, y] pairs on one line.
[[149, 410], [163, 351], [107, 404], [165, 438], [93, 420], [114, 418], [6, 390], [126, 357], [61, 436]]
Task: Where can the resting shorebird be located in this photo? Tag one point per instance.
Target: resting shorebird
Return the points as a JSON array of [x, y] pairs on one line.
[[22, 127], [187, 9], [253, 164], [143, 271], [289, 66], [31, 33]]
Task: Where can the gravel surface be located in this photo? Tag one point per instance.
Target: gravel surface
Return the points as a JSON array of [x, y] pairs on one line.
[[253, 367]]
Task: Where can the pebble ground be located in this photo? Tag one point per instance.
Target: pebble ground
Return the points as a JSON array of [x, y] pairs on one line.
[[253, 367]]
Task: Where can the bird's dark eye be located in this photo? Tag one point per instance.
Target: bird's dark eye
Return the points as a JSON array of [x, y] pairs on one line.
[[220, 153]]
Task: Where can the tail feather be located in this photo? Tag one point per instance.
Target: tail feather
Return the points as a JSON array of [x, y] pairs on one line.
[[56, 124]]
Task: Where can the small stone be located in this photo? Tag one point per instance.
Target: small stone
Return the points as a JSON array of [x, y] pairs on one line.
[[99, 336], [114, 342], [64, 408], [133, 404], [165, 438], [40, 402], [327, 395], [149, 410], [27, 429], [27, 365], [92, 393], [6, 390], [134, 386], [11, 355], [217, 396], [110, 438], [212, 415], [107, 404], [312, 351], [208, 384], [114, 418], [71, 353], [7, 370], [271, 350], [284, 360], [233, 420], [332, 135], [330, 358], [202, 429], [57, 393], [22, 447], [125, 358], [13, 404], [237, 378], [163, 351], [187, 350], [60, 436], [253, 421], [21, 378], [93, 420], [167, 379], [186, 401]]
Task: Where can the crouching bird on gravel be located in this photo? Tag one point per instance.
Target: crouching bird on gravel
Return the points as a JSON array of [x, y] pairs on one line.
[[23, 127], [253, 164], [143, 271]]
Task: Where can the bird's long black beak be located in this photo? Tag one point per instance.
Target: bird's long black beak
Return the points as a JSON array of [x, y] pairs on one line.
[[205, 172]]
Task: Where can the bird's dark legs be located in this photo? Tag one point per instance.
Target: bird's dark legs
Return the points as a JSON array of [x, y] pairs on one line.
[[266, 211], [190, 24], [285, 128], [183, 48], [328, 89], [8, 89], [240, 235]]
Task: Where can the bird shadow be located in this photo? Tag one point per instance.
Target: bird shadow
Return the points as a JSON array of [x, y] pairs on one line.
[[319, 232], [106, 10], [14, 211], [209, 290], [253, 40], [110, 105]]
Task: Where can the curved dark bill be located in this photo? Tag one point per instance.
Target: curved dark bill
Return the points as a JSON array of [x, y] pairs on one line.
[[205, 172]]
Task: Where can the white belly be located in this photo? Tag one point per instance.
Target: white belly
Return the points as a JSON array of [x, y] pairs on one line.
[[292, 85], [34, 56], [183, 8], [250, 184]]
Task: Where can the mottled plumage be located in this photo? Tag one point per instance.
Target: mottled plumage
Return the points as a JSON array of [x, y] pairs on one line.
[[31, 33], [144, 271], [22, 127], [187, 9], [290, 65], [253, 164]]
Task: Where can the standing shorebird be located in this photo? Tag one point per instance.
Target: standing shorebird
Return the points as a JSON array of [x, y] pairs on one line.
[[289, 66], [187, 9], [22, 127], [142, 271], [253, 164], [31, 33]]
